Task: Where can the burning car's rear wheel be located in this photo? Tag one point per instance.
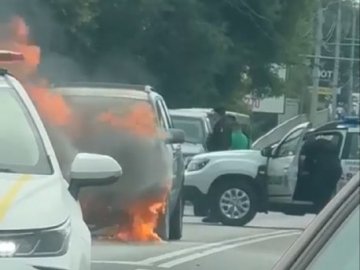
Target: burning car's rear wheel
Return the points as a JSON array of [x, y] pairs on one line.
[[176, 221]]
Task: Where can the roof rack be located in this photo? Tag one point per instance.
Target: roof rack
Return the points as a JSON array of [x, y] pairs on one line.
[[137, 87], [3, 71]]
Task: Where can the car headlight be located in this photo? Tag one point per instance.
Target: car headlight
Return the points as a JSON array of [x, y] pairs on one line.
[[38, 243], [197, 164]]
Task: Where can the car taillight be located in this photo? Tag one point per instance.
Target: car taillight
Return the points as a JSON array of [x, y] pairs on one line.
[[9, 56]]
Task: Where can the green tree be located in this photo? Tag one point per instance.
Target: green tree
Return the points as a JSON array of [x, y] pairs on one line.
[[196, 52]]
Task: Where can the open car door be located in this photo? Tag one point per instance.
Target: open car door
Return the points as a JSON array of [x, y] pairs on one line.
[[282, 168]]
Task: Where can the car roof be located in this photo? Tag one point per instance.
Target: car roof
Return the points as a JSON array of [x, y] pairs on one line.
[[209, 110], [175, 112], [290, 257], [351, 123], [141, 92]]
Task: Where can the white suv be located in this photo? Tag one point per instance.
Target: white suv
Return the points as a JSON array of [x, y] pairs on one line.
[[41, 222], [238, 184]]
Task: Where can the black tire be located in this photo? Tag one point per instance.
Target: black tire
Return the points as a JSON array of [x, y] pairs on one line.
[[176, 221], [200, 209], [250, 201]]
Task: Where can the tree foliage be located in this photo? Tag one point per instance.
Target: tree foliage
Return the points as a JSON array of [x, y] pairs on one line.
[[196, 52]]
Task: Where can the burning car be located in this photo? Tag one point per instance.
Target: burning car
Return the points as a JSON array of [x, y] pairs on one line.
[[131, 124]]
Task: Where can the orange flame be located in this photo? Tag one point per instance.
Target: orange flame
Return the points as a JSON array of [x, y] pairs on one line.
[[144, 217], [14, 36]]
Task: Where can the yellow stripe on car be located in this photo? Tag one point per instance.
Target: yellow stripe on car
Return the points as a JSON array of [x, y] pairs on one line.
[[7, 200]]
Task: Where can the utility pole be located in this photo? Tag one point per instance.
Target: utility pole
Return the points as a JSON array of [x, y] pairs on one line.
[[316, 67], [351, 79], [337, 60]]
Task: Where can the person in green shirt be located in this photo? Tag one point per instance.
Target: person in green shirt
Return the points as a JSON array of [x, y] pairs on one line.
[[239, 140]]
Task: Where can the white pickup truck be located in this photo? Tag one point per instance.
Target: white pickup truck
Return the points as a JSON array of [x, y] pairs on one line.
[[238, 184]]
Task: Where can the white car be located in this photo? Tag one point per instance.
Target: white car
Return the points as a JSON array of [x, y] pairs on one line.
[[238, 184], [197, 128], [41, 222]]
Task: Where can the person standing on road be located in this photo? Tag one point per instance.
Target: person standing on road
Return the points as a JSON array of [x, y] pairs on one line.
[[323, 164], [220, 138]]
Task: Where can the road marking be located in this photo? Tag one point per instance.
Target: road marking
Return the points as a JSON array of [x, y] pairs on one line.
[[180, 252], [198, 255], [119, 262], [10, 196]]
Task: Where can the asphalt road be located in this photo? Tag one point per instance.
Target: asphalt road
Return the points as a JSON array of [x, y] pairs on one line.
[[207, 247]]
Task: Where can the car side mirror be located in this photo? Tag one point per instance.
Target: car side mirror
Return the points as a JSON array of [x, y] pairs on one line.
[[175, 136], [268, 151], [93, 170]]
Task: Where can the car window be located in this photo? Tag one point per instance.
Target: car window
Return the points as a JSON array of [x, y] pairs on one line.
[[334, 137], [289, 145], [21, 149], [162, 116], [166, 114], [193, 128], [124, 113], [352, 148], [342, 249]]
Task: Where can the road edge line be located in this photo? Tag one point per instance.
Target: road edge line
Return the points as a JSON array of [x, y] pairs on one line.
[[198, 255], [172, 254]]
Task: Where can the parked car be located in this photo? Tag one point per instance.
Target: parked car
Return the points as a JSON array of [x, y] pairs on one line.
[[151, 164], [331, 241], [41, 223], [197, 128], [266, 180]]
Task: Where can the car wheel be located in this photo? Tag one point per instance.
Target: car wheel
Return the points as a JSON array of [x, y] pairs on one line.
[[163, 226], [176, 221], [235, 203], [200, 210]]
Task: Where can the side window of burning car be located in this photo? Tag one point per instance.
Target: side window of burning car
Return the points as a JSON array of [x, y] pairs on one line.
[[166, 114], [161, 115]]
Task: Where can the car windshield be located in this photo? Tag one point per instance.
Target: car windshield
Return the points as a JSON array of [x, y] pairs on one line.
[[21, 150], [92, 106], [94, 114], [193, 128], [342, 250]]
